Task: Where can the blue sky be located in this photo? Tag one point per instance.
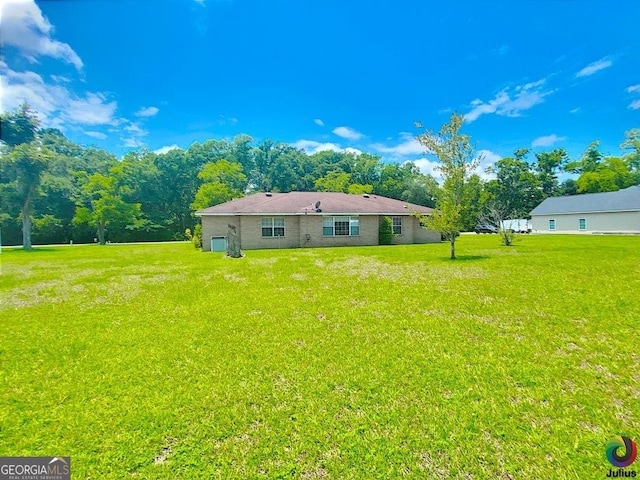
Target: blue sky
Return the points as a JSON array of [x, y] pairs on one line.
[[124, 74]]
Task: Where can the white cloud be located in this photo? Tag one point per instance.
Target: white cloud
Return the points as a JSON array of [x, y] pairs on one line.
[[134, 129], [166, 148], [502, 50], [575, 110], [147, 112], [24, 27], [635, 105], [407, 145], [594, 67], [353, 151], [510, 103], [56, 105], [348, 133], [132, 142], [547, 140], [426, 166], [98, 135], [311, 146], [59, 78], [318, 122], [222, 120], [486, 159], [91, 110]]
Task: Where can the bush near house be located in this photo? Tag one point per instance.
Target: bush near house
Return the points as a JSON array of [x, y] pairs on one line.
[[385, 236]]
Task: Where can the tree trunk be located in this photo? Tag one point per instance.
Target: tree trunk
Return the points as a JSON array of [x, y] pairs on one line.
[[26, 222], [452, 240], [26, 229], [101, 239], [233, 244]]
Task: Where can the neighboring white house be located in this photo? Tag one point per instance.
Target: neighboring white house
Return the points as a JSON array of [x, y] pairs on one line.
[[608, 212]]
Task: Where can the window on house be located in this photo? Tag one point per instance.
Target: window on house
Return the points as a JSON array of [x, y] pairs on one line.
[[582, 224], [340, 226], [273, 227], [396, 223], [552, 224]]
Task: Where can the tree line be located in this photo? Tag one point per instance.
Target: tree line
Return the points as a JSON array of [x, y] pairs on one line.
[[53, 190]]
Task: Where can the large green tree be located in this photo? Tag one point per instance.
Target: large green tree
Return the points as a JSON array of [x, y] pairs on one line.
[[516, 190], [598, 173], [548, 166], [19, 126], [222, 181], [22, 171], [457, 162], [102, 206]]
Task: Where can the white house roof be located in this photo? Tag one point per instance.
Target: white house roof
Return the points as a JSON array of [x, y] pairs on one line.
[[619, 201], [299, 203]]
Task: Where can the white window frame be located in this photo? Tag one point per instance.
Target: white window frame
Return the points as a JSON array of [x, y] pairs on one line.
[[272, 223], [396, 229], [329, 225], [552, 224], [580, 226]]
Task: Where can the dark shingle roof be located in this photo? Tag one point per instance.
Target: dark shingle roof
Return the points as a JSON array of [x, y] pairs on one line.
[[622, 200], [293, 203]]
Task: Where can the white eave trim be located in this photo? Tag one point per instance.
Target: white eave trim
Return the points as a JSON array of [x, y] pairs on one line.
[[407, 213], [584, 213]]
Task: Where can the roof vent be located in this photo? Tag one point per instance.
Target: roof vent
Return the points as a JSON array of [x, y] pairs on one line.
[[268, 194], [365, 195]]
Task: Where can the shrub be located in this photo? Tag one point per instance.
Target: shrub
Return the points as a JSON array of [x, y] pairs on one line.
[[385, 233], [196, 238]]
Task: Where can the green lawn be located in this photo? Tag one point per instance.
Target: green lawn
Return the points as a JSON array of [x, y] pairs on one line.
[[159, 361]]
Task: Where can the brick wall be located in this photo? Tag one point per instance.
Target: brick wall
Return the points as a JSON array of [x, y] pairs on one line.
[[306, 231], [217, 226], [312, 225], [252, 238]]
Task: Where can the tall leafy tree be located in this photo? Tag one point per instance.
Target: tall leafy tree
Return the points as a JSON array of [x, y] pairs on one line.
[[474, 202], [457, 161], [177, 167], [590, 161], [19, 126], [632, 157], [606, 174], [612, 174], [102, 207], [22, 169], [222, 181], [333, 181], [516, 189], [548, 165]]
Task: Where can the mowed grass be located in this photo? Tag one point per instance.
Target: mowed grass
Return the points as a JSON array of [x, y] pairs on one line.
[[159, 361]]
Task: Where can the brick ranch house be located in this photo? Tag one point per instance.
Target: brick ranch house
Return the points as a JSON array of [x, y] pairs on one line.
[[311, 219]]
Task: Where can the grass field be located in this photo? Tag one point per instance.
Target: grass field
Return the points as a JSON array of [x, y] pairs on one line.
[[159, 361]]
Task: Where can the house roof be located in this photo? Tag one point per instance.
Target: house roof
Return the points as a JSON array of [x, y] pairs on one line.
[[619, 201], [299, 203]]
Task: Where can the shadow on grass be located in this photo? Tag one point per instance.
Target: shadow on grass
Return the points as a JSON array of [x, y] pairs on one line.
[[466, 258], [33, 250]]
